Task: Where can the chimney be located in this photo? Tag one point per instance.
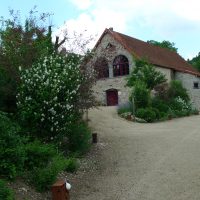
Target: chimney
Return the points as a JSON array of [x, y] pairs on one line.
[[111, 28]]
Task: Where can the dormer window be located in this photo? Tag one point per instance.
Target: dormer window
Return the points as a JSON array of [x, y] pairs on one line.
[[109, 46]]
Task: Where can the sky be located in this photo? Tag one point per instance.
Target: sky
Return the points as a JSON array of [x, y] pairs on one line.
[[177, 21]]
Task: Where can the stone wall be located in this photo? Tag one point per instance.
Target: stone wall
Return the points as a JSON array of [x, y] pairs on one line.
[[167, 72], [188, 83], [111, 83]]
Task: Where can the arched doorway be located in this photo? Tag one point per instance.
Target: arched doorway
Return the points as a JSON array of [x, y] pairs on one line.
[[112, 97]]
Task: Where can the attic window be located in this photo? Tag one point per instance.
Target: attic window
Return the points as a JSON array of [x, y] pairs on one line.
[[196, 85], [109, 46], [120, 66]]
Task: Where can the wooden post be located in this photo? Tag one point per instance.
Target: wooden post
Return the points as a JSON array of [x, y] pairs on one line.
[[59, 191], [94, 137]]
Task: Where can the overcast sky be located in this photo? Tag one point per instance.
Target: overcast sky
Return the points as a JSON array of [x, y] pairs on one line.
[[175, 20]]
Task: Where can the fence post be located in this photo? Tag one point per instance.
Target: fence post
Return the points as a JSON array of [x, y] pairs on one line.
[[94, 137], [59, 191]]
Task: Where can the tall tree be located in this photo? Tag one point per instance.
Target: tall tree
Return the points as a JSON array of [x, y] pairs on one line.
[[20, 46], [195, 62], [145, 72], [164, 44]]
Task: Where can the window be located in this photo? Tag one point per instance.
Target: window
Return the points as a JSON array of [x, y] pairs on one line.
[[120, 66], [196, 85], [101, 68]]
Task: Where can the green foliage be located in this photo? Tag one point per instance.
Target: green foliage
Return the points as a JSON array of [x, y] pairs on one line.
[[157, 112], [79, 138], [195, 62], [176, 90], [48, 95], [145, 72], [71, 165], [12, 153], [5, 192], [148, 114], [124, 108], [141, 95], [160, 105], [43, 178], [164, 44], [21, 44], [38, 154]]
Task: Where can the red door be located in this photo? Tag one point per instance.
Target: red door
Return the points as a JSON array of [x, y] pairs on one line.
[[112, 97]]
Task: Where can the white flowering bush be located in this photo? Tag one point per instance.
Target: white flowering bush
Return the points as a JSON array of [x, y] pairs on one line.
[[184, 105], [48, 94]]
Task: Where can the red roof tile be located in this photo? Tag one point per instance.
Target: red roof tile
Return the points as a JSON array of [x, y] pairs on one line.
[[156, 55]]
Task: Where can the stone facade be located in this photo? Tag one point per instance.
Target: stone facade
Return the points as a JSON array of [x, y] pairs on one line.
[[112, 82], [109, 48], [188, 81]]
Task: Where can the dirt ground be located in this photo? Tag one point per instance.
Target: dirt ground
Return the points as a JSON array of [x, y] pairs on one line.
[[133, 161], [159, 161]]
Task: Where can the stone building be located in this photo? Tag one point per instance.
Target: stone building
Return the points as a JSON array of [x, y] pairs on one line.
[[115, 54]]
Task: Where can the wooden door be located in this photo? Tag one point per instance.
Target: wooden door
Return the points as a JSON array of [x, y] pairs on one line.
[[112, 97]]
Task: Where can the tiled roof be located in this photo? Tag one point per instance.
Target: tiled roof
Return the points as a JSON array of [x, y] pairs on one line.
[[156, 55]]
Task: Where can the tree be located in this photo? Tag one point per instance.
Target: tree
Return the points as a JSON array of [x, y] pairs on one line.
[[20, 45], [145, 72], [164, 44], [195, 62]]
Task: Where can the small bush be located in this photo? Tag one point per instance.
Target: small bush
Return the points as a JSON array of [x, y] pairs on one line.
[[141, 95], [79, 138], [71, 165], [124, 108], [5, 192], [43, 178], [160, 105], [148, 114], [12, 151], [176, 90], [157, 112], [194, 112], [38, 154]]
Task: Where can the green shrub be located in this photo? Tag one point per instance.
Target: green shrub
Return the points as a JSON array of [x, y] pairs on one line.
[[147, 73], [176, 90], [71, 165], [157, 112], [194, 112], [124, 108], [148, 114], [141, 95], [38, 154], [43, 178], [179, 104], [5, 192], [79, 138], [160, 105], [12, 151], [171, 114]]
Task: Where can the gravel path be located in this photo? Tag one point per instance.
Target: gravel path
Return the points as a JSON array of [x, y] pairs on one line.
[[133, 161]]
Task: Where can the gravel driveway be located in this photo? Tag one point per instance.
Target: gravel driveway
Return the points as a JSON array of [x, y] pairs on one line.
[[133, 161]]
